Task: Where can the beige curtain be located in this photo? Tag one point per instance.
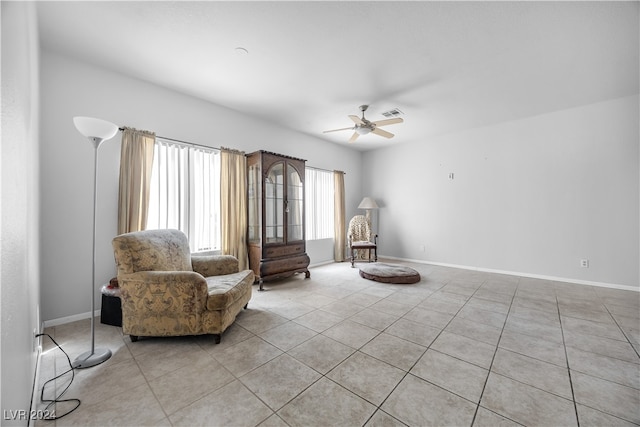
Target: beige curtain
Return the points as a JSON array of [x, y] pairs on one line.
[[233, 205], [339, 242], [136, 161]]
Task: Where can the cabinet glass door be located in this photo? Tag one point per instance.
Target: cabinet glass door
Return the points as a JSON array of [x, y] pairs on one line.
[[274, 204], [295, 205], [254, 219]]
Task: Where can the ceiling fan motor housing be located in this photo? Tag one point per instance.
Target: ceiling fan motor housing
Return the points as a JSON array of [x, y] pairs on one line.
[[363, 126]]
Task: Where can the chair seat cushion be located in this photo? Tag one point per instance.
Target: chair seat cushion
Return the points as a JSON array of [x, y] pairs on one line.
[[363, 244], [224, 290], [389, 273]]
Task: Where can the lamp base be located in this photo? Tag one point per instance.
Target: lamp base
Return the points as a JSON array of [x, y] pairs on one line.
[[89, 359]]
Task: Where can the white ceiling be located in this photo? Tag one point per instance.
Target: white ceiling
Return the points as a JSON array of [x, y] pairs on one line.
[[447, 65]]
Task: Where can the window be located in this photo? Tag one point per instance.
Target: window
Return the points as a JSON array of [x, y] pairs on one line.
[[319, 204], [185, 193]]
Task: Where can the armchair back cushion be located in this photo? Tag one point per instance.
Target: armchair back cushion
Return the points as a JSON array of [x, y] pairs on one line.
[[152, 250]]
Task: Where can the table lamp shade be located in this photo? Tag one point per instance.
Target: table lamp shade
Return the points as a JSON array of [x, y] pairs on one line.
[[368, 203]]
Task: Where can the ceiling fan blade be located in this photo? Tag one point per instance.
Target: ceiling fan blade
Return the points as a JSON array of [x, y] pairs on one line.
[[357, 120], [354, 137], [382, 133], [388, 122], [336, 130]]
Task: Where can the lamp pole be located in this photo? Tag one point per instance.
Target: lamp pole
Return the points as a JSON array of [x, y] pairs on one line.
[[94, 356]]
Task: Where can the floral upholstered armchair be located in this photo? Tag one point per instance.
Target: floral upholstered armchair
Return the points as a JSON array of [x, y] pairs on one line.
[[166, 291]]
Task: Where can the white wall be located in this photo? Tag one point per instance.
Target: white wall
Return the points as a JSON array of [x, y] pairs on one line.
[[19, 245], [71, 88], [531, 196]]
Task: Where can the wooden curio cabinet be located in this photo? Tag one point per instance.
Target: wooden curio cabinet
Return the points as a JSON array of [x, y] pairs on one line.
[[276, 240]]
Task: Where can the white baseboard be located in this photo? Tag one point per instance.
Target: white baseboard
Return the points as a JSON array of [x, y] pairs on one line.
[[69, 319], [75, 317], [318, 264], [515, 273], [36, 381]]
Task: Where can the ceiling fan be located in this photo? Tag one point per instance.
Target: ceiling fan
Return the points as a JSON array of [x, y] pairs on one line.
[[364, 126]]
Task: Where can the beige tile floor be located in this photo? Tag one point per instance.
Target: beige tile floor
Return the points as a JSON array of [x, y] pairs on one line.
[[459, 348]]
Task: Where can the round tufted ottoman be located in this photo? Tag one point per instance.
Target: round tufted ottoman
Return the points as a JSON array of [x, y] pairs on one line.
[[389, 273]]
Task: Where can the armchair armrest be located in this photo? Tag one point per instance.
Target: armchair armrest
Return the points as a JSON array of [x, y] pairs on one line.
[[214, 265], [146, 293]]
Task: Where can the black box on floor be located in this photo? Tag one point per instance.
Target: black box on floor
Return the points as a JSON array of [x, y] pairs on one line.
[[111, 313]]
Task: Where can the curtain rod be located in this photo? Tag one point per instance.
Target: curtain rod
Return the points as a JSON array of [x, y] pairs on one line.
[[180, 141], [215, 148], [325, 170]]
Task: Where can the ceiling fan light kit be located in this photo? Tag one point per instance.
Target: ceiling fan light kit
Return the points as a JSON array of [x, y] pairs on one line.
[[363, 126]]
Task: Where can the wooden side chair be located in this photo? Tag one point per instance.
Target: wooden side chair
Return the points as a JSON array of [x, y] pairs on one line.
[[360, 239]]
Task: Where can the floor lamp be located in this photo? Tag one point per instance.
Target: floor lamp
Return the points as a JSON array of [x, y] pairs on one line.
[[97, 131], [368, 204]]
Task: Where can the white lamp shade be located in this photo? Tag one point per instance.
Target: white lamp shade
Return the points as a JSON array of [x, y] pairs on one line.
[[95, 128], [368, 203], [362, 130]]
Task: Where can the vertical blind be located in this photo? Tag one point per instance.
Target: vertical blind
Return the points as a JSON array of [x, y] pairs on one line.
[[319, 202], [185, 193]]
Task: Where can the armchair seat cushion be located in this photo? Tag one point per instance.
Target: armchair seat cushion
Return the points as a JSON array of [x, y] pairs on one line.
[[226, 289]]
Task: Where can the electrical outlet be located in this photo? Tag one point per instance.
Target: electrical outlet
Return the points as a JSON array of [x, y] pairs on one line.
[[422, 248], [584, 263]]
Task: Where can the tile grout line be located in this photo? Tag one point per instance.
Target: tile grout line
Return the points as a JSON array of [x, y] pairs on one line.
[[408, 372], [566, 355], [519, 285], [622, 330], [325, 375], [379, 407], [494, 357], [275, 412]]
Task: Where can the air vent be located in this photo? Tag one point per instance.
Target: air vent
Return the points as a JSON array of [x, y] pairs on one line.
[[392, 113]]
